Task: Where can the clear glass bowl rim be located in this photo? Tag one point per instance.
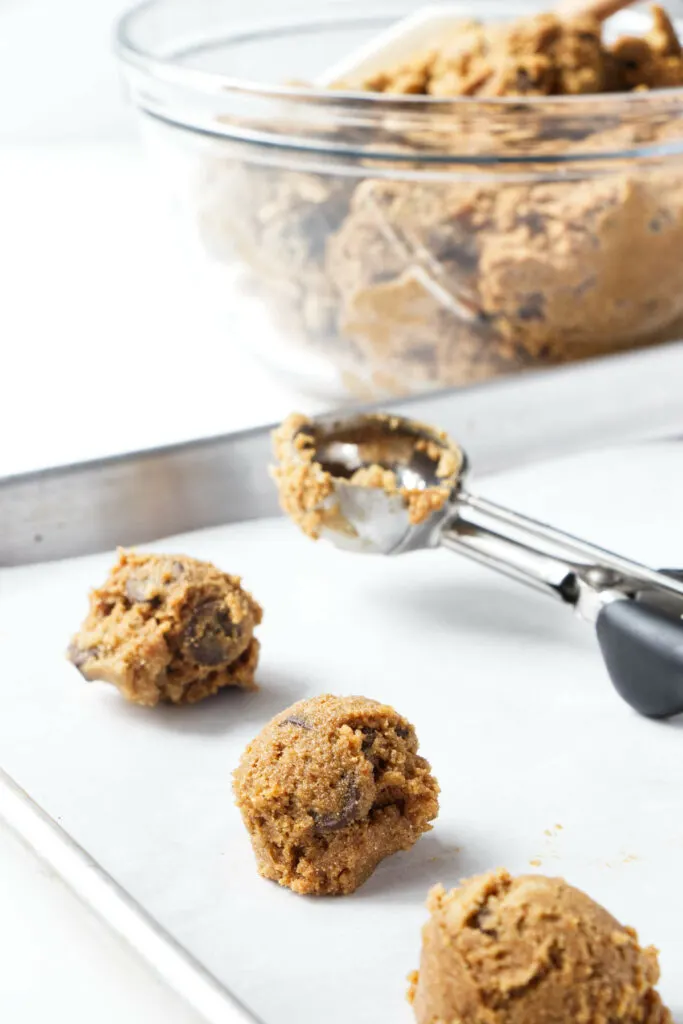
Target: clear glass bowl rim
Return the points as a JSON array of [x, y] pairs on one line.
[[304, 103]]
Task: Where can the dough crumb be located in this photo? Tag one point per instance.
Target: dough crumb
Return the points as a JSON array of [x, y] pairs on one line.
[[329, 788], [305, 489], [168, 628]]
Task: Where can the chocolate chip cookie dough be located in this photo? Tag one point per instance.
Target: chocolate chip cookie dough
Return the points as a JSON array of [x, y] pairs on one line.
[[531, 950], [306, 486], [168, 628], [541, 55], [331, 787], [449, 273]]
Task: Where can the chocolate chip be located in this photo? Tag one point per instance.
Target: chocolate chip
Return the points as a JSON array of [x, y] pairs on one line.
[[402, 732], [482, 922], [79, 655], [211, 634], [369, 736], [346, 815], [532, 308], [455, 242], [294, 720], [523, 80], [534, 220]]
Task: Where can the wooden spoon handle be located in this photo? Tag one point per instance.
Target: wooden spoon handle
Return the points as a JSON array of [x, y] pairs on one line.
[[599, 9]]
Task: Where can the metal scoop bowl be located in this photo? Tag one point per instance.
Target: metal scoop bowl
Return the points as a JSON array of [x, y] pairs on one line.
[[393, 485]]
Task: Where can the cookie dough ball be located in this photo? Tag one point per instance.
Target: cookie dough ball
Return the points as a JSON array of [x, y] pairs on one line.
[[531, 950], [330, 788], [168, 628]]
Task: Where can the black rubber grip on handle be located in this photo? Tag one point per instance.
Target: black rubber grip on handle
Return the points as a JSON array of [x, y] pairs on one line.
[[643, 651]]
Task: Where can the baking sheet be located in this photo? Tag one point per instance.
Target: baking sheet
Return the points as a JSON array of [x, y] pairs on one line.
[[512, 706]]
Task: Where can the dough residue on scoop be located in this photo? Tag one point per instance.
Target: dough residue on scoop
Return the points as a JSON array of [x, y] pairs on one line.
[[307, 489]]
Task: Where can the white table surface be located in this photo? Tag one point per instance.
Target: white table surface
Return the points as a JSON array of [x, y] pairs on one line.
[[62, 965], [92, 291], [88, 291]]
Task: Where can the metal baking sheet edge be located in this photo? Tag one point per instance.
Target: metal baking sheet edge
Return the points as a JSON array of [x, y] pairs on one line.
[[119, 911]]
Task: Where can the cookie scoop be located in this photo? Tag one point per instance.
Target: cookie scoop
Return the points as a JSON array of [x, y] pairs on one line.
[[382, 484]]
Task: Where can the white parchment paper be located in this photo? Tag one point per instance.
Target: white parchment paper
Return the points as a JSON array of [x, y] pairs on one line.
[[512, 705]]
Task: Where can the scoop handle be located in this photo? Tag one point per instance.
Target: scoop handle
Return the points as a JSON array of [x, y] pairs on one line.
[[643, 652], [492, 542]]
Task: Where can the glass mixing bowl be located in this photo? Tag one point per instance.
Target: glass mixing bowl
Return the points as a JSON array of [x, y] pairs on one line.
[[372, 246]]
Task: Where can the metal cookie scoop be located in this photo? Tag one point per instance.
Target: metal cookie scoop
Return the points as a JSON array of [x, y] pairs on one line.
[[387, 485]]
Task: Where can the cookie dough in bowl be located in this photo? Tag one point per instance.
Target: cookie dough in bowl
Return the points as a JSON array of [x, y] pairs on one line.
[[508, 197], [522, 274], [168, 628], [331, 787], [531, 950]]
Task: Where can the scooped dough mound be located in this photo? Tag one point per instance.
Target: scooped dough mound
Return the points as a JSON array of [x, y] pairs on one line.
[[168, 628], [331, 787], [531, 950]]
